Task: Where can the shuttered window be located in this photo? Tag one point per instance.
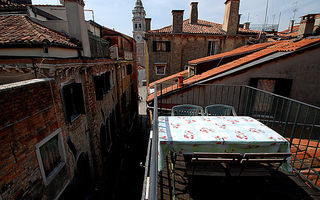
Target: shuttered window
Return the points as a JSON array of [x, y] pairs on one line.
[[161, 46], [102, 85], [73, 100]]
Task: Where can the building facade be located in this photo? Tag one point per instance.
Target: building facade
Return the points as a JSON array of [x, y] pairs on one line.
[[170, 48], [64, 103]]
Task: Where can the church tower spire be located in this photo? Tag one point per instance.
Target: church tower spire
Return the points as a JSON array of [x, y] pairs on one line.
[[139, 29]]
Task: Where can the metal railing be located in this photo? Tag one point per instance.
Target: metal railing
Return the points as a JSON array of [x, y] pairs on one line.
[[297, 121]]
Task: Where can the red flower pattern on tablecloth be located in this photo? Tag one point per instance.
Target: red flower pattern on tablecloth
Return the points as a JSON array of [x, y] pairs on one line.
[[247, 119], [233, 121], [255, 130], [206, 130], [188, 135], [223, 126], [190, 121], [205, 119], [241, 135], [175, 125], [221, 139]]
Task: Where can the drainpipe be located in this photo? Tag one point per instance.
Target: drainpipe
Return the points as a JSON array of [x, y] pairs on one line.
[[180, 81]]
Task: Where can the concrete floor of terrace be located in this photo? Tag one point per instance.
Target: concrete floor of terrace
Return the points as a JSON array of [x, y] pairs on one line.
[[278, 185]]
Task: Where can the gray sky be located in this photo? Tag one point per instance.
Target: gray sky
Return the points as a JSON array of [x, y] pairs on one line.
[[118, 14]]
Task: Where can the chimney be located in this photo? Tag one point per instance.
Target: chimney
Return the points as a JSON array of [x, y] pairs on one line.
[[291, 26], [177, 21], [231, 17], [194, 13], [148, 24], [180, 81], [246, 26], [306, 25], [76, 23]]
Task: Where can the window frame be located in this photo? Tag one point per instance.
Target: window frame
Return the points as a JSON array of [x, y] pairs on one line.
[[61, 147], [156, 65], [210, 47], [79, 109], [165, 46]]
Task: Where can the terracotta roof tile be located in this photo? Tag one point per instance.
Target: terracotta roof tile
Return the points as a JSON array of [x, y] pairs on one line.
[[18, 29], [240, 50], [203, 27], [280, 46]]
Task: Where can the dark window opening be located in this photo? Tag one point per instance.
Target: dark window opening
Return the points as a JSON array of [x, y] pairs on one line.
[[161, 46], [101, 85], [129, 69], [73, 100], [123, 102]]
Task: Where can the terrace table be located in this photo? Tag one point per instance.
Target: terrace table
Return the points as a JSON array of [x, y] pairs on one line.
[[217, 134]]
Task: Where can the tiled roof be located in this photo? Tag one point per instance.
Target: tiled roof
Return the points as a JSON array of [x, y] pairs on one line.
[[9, 5], [173, 76], [280, 46], [203, 27], [21, 30], [240, 50]]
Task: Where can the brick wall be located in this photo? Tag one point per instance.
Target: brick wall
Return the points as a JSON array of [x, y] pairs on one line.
[[27, 117]]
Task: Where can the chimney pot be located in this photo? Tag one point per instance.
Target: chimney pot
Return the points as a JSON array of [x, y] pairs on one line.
[[177, 21], [194, 13], [246, 26], [291, 26], [180, 81], [306, 25]]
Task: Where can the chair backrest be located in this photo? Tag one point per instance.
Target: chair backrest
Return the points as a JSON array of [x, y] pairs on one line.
[[220, 110], [265, 157], [186, 110], [216, 157]]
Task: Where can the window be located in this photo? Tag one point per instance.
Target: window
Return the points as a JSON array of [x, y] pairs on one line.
[[51, 155], [129, 69], [73, 101], [212, 48], [160, 69], [135, 26], [161, 46], [139, 26], [101, 85], [123, 102]]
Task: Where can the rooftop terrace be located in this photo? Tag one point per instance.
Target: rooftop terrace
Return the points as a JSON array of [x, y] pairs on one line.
[[296, 121]]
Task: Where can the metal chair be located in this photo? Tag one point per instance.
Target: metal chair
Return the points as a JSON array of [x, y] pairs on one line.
[[220, 110], [186, 110]]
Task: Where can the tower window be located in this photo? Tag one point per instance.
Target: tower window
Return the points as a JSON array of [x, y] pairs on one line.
[[135, 26], [139, 26]]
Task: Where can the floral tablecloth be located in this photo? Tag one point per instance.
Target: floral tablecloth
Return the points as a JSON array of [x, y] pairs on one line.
[[234, 134]]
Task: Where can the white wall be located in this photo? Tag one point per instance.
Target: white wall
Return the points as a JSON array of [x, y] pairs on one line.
[[38, 52]]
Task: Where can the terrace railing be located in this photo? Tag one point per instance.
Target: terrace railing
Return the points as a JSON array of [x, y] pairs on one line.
[[297, 121]]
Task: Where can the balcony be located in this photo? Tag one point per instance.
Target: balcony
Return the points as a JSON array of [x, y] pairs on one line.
[[296, 121]]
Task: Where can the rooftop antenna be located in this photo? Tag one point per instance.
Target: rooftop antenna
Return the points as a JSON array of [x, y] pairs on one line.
[[266, 16], [295, 10], [279, 18], [248, 17]]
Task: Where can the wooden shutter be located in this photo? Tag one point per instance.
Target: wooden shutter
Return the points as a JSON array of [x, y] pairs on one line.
[[98, 88], [154, 45], [67, 101], [78, 98], [168, 46], [107, 81]]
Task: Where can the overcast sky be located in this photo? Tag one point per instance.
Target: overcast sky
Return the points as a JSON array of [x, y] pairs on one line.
[[117, 14]]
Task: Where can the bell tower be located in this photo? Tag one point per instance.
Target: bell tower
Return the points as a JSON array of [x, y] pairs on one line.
[[139, 29]]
